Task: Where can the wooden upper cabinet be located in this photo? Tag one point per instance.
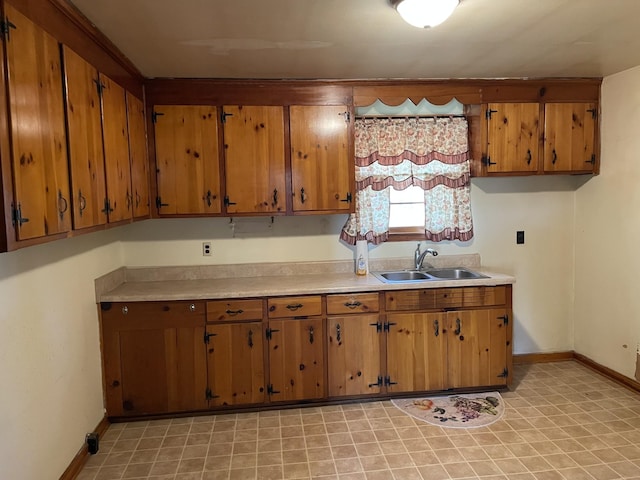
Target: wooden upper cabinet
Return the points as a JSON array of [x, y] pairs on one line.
[[254, 151], [187, 162], [322, 173], [513, 138], [116, 150], [570, 137], [38, 138], [86, 155], [138, 156]]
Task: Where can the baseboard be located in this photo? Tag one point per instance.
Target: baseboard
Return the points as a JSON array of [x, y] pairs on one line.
[[527, 358], [75, 467], [607, 372]]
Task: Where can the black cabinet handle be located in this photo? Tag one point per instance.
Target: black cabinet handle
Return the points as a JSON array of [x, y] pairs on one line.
[[458, 327], [436, 328], [555, 157], [529, 156], [338, 333], [275, 196], [62, 204], [250, 338], [82, 202], [310, 334], [233, 313], [352, 305], [294, 307]]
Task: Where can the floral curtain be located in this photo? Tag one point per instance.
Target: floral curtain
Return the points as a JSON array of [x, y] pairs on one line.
[[432, 153]]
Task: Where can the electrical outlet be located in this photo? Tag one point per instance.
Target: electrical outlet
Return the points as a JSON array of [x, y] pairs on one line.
[[520, 237], [206, 249]]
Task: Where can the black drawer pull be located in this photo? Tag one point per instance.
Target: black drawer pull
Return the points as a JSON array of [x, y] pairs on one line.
[[294, 307], [352, 305], [233, 313]]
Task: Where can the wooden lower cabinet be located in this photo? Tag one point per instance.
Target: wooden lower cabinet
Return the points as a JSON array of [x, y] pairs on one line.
[[173, 357], [296, 359], [439, 351], [416, 352], [477, 342], [154, 357], [354, 346], [235, 364]]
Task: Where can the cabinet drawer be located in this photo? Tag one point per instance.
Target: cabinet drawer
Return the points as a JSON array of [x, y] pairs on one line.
[[294, 306], [357, 303], [133, 314], [234, 310], [438, 298]]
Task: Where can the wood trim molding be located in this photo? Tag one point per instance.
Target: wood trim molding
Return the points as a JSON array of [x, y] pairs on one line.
[[528, 358], [607, 372], [75, 467]]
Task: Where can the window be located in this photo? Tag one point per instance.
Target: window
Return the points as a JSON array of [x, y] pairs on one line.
[[412, 180]]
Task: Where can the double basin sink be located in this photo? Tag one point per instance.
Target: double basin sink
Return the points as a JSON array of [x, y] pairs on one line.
[[429, 275]]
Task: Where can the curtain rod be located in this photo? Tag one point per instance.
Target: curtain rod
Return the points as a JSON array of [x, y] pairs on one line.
[[394, 117]]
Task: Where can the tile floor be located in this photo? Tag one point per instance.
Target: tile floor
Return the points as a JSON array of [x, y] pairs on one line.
[[562, 421]]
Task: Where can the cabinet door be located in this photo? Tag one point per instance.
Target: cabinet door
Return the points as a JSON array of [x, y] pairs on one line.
[[188, 168], [154, 358], [235, 363], [354, 355], [296, 359], [513, 137], [322, 172], [570, 131], [138, 156], [477, 348], [86, 154], [416, 352], [116, 150], [38, 138], [254, 159]]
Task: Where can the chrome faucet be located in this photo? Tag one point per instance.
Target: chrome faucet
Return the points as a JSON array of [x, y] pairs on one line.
[[419, 257]]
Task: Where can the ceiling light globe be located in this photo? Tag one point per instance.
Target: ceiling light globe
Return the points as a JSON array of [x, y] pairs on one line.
[[425, 13]]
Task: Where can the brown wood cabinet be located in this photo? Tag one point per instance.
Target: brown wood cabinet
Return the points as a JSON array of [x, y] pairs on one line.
[[535, 138], [570, 137], [187, 159], [116, 150], [296, 359], [254, 147], [86, 154], [442, 349], [235, 364], [41, 203], [138, 156], [322, 170], [513, 137], [171, 357], [354, 344], [154, 357]]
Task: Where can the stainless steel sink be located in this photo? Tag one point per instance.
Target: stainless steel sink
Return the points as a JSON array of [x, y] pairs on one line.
[[403, 276], [433, 274], [454, 273]]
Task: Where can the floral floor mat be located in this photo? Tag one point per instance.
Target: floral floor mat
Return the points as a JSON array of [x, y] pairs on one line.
[[455, 411]]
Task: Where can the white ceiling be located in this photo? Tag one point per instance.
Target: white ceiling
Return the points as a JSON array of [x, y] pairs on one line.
[[356, 39]]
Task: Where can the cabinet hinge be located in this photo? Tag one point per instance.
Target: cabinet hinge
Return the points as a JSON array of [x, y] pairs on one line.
[[209, 394], [489, 113], [592, 160], [155, 115], [347, 199], [486, 161], [347, 116], [388, 325], [269, 332], [228, 202], [270, 390], [159, 203], [593, 112], [207, 336], [107, 207], [378, 326], [505, 319], [224, 115], [99, 86], [504, 374], [16, 216], [6, 26], [387, 380], [379, 383]]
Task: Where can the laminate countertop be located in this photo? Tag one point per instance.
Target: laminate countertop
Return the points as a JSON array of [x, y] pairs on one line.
[[204, 283]]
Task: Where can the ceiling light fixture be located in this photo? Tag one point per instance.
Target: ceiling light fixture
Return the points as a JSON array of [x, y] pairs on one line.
[[425, 13]]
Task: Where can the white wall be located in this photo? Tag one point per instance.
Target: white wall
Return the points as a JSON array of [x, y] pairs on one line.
[[541, 206], [607, 311], [50, 372]]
